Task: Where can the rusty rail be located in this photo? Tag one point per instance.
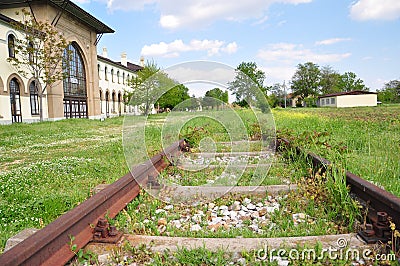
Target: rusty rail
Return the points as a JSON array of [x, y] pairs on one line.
[[51, 245], [377, 199]]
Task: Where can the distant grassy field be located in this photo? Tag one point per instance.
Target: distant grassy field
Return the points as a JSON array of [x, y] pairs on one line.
[[365, 141], [48, 168]]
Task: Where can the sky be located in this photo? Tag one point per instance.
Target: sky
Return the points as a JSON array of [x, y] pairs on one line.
[[361, 36]]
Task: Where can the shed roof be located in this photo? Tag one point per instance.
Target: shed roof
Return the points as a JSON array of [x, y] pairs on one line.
[[69, 7], [346, 93]]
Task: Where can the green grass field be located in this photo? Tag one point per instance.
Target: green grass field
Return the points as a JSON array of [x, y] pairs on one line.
[[365, 141], [48, 168]]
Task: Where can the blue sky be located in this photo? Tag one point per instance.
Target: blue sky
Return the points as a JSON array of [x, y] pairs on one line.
[[361, 36]]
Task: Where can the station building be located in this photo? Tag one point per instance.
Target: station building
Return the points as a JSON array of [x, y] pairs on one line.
[[96, 86]]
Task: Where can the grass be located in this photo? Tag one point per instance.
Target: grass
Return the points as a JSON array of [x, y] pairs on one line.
[[48, 168], [365, 140]]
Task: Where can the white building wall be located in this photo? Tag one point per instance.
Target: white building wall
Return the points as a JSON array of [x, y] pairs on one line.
[[7, 70], [111, 83], [357, 100]]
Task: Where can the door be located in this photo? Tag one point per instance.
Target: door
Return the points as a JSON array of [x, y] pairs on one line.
[[15, 101]]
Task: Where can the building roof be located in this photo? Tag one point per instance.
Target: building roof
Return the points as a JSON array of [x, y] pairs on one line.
[[130, 67], [68, 7], [6, 19], [346, 93]]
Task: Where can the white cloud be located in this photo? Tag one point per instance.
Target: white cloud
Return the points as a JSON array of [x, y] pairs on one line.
[[293, 53], [175, 14], [375, 10], [332, 41], [280, 60], [173, 49]]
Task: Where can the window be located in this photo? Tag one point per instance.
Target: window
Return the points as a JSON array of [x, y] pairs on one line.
[[125, 101], [118, 76], [98, 70], [112, 75], [75, 100], [123, 78], [11, 45], [113, 102], [105, 73], [15, 101], [107, 103], [119, 103], [34, 96], [31, 51], [332, 100], [322, 101]]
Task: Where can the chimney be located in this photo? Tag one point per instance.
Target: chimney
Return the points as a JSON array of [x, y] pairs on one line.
[[124, 59], [105, 53], [142, 61]]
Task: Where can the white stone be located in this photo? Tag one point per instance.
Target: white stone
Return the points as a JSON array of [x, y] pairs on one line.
[[254, 227], [251, 206], [104, 259], [159, 211], [176, 223], [244, 208], [195, 228], [223, 208], [225, 213], [236, 206], [259, 205], [169, 207], [271, 209], [246, 201], [255, 215], [242, 213], [196, 218], [211, 206]]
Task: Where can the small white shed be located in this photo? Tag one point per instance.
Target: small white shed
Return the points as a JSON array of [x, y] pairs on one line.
[[348, 99]]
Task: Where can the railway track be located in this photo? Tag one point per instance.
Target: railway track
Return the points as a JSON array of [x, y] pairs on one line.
[[52, 244]]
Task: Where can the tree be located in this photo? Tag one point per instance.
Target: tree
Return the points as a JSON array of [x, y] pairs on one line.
[[214, 97], [305, 81], [248, 82], [349, 82], [39, 53], [148, 86], [173, 97], [330, 79], [277, 95], [390, 93]]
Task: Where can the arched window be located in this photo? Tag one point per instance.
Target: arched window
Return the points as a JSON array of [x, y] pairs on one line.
[[15, 101], [105, 73], [11, 45], [75, 100], [34, 96], [113, 102], [119, 103], [98, 70], [112, 75], [128, 78], [123, 78], [31, 51], [107, 104], [125, 101], [118, 76]]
